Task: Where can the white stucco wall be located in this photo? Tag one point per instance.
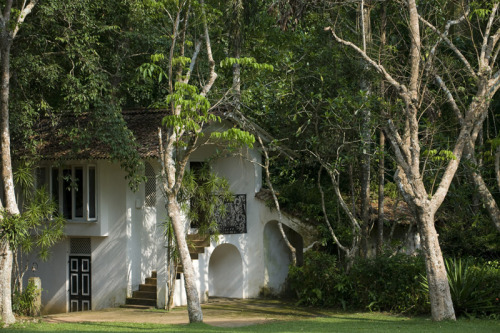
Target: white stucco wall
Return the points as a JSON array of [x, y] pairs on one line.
[[128, 242], [245, 177], [121, 257]]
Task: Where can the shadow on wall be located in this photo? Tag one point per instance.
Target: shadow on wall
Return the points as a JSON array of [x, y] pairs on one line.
[[148, 245], [109, 267], [277, 255], [225, 272]]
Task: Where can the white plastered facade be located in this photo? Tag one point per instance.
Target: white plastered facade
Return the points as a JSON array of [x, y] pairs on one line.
[[127, 242]]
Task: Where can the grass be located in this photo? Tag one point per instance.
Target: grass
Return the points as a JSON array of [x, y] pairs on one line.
[[355, 322]]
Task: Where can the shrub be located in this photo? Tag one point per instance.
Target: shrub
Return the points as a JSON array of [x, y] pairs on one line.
[[320, 282], [390, 283], [24, 303], [384, 283], [474, 286]]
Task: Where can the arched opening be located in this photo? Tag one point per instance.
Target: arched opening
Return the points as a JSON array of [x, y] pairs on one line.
[[225, 272], [277, 255]]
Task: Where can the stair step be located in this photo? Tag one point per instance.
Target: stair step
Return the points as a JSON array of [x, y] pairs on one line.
[[198, 240], [144, 294], [140, 301], [151, 280], [196, 249], [153, 274], [147, 287]]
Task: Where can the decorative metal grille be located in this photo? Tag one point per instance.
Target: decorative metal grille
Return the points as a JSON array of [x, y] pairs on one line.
[[80, 246], [150, 186], [235, 220]]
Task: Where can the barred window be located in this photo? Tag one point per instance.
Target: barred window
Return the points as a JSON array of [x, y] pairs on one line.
[[150, 186], [80, 246]]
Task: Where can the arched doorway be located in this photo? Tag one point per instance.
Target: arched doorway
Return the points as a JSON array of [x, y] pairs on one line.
[[225, 272], [277, 256]]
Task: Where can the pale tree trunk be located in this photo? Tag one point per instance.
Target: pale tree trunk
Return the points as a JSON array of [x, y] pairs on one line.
[[497, 166], [193, 299], [350, 252], [381, 164], [7, 317], [172, 173], [365, 135], [8, 32], [487, 198], [292, 249], [174, 160], [441, 307], [424, 210], [381, 195], [483, 191], [235, 35]]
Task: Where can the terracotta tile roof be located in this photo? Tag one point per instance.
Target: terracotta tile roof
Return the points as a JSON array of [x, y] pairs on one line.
[[55, 144]]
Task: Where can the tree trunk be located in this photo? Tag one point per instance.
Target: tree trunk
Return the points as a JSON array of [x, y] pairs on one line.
[[483, 191], [193, 299], [7, 317], [497, 166], [8, 183], [381, 180], [365, 134], [487, 198], [439, 289]]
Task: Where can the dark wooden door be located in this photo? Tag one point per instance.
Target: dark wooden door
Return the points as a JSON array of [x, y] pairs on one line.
[[79, 283]]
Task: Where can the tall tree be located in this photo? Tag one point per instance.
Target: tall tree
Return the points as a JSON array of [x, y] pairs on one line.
[[10, 23], [404, 135], [188, 113]]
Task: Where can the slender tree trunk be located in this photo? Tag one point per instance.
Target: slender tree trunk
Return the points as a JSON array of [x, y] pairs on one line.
[[365, 86], [292, 249], [487, 198], [483, 191], [381, 164], [381, 180], [497, 166], [8, 184], [193, 299], [7, 317], [236, 7]]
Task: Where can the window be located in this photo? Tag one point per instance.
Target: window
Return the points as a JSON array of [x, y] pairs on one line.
[[150, 188], [73, 188]]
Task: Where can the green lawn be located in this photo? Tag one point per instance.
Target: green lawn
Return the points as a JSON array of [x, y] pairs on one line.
[[359, 322]]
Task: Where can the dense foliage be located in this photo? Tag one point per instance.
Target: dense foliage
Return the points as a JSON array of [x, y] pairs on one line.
[[383, 283], [394, 283]]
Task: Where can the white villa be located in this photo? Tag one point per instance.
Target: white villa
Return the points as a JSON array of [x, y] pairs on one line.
[[114, 247]]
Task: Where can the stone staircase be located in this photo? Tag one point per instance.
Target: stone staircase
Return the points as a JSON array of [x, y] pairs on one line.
[[197, 244], [145, 297]]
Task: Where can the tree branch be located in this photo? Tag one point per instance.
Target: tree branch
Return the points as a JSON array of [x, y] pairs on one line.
[[484, 47], [211, 62], [26, 9], [402, 89], [444, 36], [325, 215], [450, 98]]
